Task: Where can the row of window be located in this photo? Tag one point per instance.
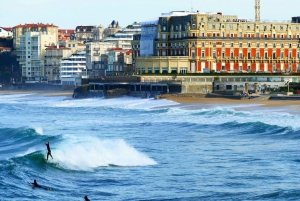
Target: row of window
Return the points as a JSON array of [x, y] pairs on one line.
[[258, 55], [203, 44]]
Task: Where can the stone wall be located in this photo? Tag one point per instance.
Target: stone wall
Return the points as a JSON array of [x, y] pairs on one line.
[[197, 88]]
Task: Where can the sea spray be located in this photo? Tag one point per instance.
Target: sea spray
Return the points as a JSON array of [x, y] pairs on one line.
[[92, 153]]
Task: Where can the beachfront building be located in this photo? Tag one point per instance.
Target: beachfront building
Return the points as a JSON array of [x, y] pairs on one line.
[[113, 66], [194, 42], [125, 63], [123, 38], [46, 29], [5, 32], [31, 55], [135, 43], [94, 52], [53, 57], [73, 69]]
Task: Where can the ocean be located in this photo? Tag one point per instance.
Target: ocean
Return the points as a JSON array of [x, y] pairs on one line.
[[145, 149]]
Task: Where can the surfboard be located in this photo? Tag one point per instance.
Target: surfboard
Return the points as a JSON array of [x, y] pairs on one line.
[[46, 188]]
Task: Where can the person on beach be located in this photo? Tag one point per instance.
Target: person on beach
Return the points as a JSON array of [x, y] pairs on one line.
[[49, 150], [86, 198], [35, 184]]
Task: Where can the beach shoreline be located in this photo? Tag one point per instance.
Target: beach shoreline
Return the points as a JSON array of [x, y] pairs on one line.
[[228, 101], [38, 92], [182, 99]]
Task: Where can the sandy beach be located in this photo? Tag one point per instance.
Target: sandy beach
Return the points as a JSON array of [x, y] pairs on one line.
[[223, 101]]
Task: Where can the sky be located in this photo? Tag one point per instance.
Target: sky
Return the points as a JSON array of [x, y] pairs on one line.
[[67, 14]]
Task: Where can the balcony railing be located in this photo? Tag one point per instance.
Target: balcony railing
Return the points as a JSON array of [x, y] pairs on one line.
[[53, 56]]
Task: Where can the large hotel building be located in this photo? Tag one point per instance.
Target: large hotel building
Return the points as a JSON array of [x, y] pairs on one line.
[[193, 42]]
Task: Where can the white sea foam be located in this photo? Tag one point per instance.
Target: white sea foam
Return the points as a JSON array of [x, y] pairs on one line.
[[39, 130], [124, 102], [92, 153]]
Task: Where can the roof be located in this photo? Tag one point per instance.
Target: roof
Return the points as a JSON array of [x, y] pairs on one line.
[[5, 48], [34, 25], [7, 28], [82, 28], [129, 52]]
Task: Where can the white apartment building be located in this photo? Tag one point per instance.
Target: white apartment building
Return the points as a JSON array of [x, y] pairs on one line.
[[121, 40], [32, 51], [5, 32], [73, 69]]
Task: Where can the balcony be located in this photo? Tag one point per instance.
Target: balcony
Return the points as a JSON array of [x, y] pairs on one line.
[[96, 48], [53, 56], [96, 54]]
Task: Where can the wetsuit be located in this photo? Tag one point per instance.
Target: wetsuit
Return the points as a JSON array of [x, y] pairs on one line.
[[35, 184], [49, 150]]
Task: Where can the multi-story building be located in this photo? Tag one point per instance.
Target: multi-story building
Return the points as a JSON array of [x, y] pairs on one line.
[[196, 42], [124, 62], [98, 32], [112, 28], [121, 40], [19, 30], [74, 45], [113, 67], [53, 57], [66, 34], [94, 51], [84, 33], [31, 55], [73, 69], [5, 32], [135, 43]]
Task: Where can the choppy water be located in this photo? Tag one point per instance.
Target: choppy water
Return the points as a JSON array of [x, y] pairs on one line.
[[145, 149]]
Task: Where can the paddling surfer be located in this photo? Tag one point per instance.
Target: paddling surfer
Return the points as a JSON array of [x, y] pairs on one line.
[[86, 198], [35, 184], [49, 150]]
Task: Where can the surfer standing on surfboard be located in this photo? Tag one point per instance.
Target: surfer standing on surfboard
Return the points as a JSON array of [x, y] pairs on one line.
[[49, 150]]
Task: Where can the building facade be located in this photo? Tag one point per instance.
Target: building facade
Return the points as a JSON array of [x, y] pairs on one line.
[[53, 57], [66, 34], [31, 55], [113, 66], [5, 32], [84, 33], [98, 32], [188, 42], [94, 52], [46, 29], [73, 69]]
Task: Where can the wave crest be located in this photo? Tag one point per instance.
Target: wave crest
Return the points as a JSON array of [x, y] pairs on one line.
[[95, 153]]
